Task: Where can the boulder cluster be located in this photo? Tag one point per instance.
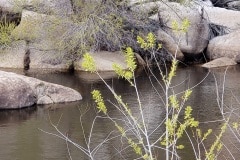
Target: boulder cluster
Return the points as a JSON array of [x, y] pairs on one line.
[[213, 31]]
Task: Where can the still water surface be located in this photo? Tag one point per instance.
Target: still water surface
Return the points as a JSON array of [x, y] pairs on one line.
[[21, 137]]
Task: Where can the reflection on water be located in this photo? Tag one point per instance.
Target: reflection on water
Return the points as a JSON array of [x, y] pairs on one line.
[[21, 138]]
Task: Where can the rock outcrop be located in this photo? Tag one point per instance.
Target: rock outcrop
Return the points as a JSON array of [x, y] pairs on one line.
[[44, 47], [18, 91]]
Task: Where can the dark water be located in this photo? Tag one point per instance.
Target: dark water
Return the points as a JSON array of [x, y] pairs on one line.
[[21, 137]]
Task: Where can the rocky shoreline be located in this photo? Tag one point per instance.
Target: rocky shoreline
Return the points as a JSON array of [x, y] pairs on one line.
[[30, 33]]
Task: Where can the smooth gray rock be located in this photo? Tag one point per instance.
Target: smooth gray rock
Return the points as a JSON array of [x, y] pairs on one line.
[[224, 46], [145, 6], [45, 100], [222, 17], [195, 40], [169, 44], [33, 26], [48, 93], [6, 5], [17, 91], [204, 3], [57, 7], [49, 59], [104, 61]]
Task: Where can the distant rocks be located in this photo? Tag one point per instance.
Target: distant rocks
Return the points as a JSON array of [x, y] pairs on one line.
[[18, 91], [222, 17], [231, 4]]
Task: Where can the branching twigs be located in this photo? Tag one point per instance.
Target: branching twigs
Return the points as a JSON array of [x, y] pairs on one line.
[[89, 151], [135, 130]]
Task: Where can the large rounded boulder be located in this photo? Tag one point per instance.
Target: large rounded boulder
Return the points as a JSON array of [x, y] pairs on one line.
[[224, 46], [15, 93], [195, 39], [18, 91]]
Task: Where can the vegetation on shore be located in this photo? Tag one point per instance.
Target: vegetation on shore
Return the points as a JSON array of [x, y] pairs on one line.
[[6, 29]]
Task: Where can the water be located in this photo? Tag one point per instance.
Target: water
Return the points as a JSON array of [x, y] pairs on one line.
[[22, 132]]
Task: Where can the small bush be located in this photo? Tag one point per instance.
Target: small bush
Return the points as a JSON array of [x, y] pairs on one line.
[[6, 29], [105, 25]]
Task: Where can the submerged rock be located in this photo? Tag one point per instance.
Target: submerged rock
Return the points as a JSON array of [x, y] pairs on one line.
[[18, 91], [104, 61], [220, 62]]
